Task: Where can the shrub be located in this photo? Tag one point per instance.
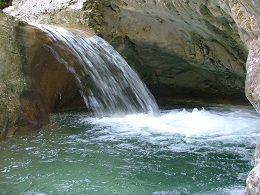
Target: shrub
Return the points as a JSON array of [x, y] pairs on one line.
[[5, 3]]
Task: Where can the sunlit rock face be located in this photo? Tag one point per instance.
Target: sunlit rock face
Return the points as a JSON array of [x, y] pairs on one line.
[[181, 49], [253, 74], [253, 179], [65, 13]]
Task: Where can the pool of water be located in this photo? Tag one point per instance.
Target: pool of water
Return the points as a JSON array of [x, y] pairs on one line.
[[182, 151]]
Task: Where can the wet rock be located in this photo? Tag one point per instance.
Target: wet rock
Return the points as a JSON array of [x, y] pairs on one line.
[[253, 94], [17, 110], [49, 77], [33, 83], [181, 49], [192, 49]]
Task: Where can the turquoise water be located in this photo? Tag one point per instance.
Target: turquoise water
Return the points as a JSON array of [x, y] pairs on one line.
[[183, 151]]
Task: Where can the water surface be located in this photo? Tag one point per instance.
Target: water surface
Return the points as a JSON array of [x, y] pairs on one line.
[[183, 151]]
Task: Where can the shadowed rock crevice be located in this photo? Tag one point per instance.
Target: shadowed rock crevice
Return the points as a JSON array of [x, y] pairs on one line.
[[169, 75], [49, 77], [33, 83]]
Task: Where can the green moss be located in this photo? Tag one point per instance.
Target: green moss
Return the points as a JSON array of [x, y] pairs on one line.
[[5, 3], [18, 35]]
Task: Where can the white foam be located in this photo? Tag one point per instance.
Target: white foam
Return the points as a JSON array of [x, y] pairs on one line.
[[186, 123]]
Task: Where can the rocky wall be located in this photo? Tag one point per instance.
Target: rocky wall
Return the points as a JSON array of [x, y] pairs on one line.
[[15, 87], [181, 49], [253, 94], [33, 83]]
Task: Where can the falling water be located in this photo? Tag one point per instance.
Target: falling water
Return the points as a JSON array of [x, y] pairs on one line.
[[107, 83]]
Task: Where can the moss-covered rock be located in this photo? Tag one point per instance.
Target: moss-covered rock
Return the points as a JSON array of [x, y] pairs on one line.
[[5, 3], [15, 81], [12, 79]]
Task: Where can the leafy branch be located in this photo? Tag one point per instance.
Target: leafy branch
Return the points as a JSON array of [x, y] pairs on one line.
[[5, 3]]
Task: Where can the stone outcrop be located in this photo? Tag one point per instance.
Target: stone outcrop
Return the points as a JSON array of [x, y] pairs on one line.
[[253, 74], [253, 179], [181, 49], [49, 77], [33, 83], [15, 88], [66, 13]]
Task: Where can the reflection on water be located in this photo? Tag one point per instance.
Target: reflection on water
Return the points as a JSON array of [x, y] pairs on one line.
[[182, 151]]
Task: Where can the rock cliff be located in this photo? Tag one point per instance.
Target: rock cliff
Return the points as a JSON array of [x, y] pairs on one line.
[[185, 48], [15, 87], [181, 49]]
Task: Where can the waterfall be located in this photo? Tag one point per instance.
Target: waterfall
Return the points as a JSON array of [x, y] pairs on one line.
[[107, 83]]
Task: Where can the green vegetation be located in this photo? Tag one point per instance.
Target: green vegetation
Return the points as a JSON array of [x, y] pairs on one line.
[[5, 3]]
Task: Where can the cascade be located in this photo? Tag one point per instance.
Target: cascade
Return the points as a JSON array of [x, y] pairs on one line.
[[106, 82]]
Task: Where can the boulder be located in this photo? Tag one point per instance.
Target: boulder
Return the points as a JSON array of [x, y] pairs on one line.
[[253, 74], [253, 179], [65, 13]]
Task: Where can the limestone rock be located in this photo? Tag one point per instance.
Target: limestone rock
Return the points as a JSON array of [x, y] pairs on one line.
[[253, 94], [65, 13], [49, 77], [33, 83], [253, 179], [253, 74], [14, 82], [180, 49], [194, 49]]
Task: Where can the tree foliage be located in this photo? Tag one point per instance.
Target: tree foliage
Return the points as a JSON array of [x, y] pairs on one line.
[[5, 3]]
